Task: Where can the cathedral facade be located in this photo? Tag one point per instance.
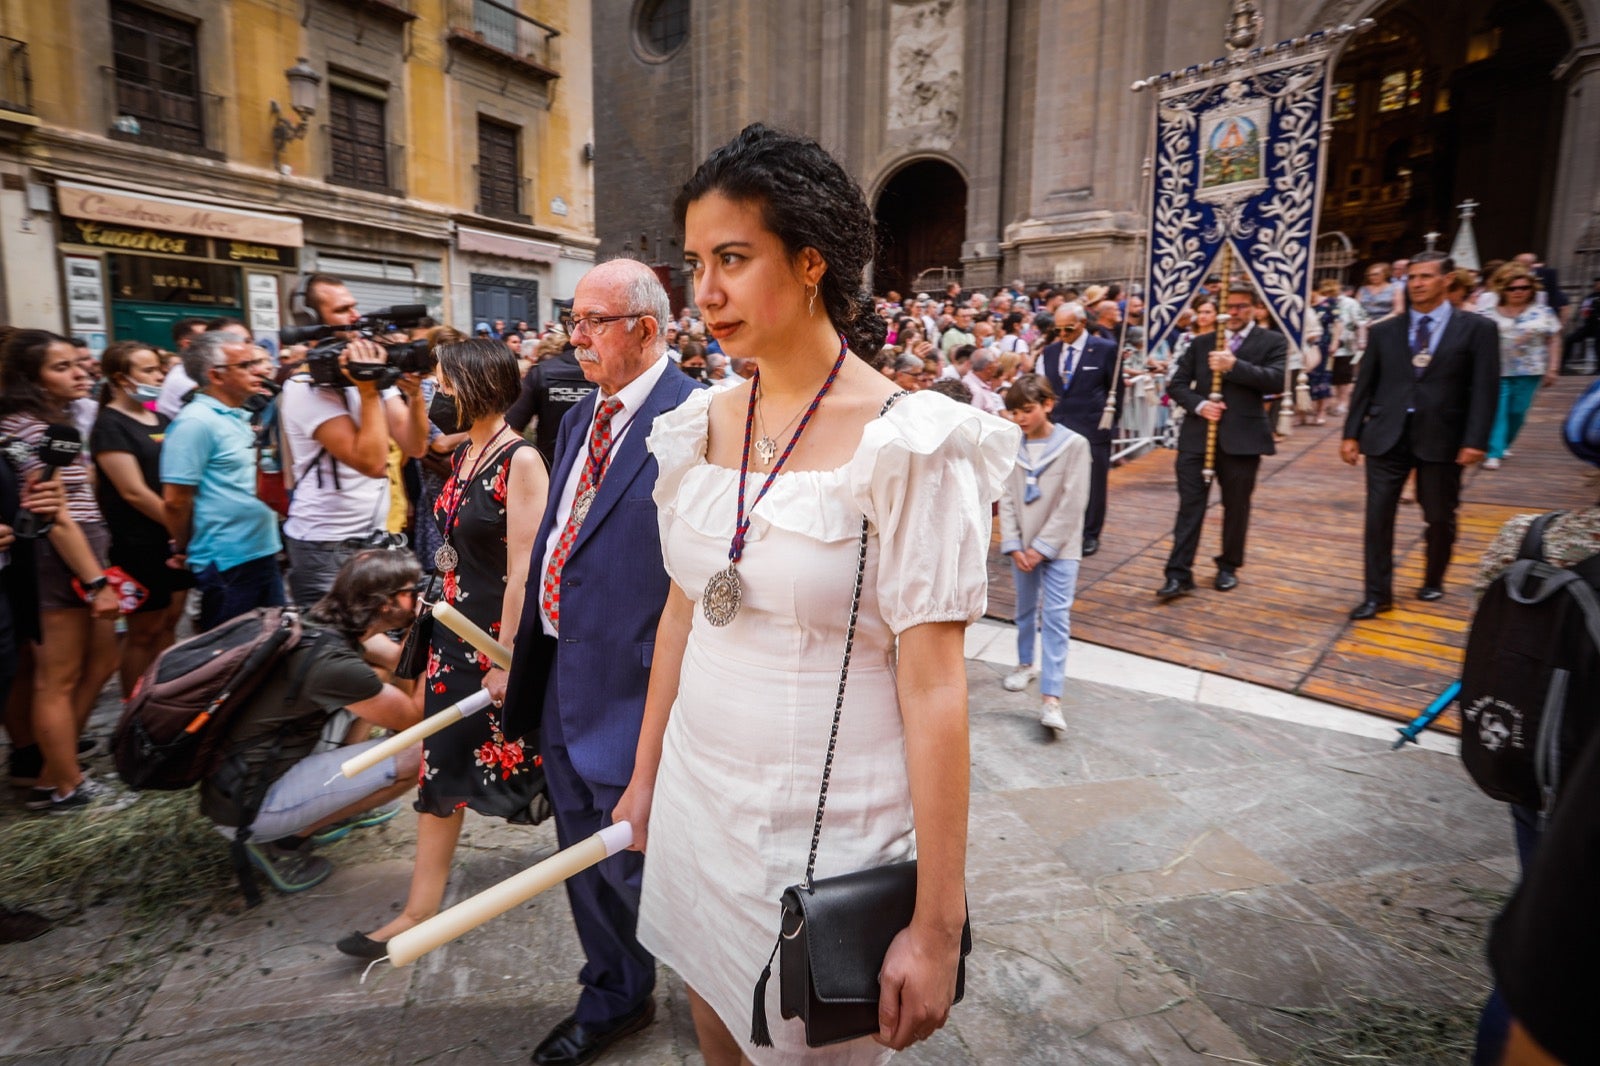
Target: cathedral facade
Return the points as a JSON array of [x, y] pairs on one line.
[[1001, 139]]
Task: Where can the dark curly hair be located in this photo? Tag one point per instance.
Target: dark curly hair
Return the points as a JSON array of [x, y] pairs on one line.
[[363, 588], [808, 201]]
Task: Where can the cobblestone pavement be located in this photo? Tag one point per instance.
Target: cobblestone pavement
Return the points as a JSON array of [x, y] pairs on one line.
[[1171, 882]]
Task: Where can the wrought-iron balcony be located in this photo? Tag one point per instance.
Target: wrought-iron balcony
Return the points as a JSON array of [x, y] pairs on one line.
[[503, 197], [361, 165], [498, 31], [146, 113], [16, 77]]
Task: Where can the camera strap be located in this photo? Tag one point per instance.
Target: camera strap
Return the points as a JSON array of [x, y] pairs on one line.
[[316, 464]]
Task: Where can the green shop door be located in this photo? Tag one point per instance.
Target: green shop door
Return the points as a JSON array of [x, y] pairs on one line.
[[152, 322], [149, 294]]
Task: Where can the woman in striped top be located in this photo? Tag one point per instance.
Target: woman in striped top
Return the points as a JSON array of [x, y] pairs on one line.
[[78, 648]]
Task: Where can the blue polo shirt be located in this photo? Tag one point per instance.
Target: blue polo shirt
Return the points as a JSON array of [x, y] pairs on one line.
[[211, 446]]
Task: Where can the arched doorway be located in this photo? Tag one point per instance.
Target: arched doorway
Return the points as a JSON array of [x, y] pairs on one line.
[[1428, 112], [922, 220]]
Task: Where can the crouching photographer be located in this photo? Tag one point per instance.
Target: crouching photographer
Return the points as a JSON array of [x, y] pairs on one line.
[[361, 390], [272, 742]]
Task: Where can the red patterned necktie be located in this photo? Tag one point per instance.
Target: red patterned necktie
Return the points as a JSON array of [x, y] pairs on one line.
[[594, 468]]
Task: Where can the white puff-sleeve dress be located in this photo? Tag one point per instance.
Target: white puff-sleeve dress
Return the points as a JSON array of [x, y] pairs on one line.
[[742, 759]]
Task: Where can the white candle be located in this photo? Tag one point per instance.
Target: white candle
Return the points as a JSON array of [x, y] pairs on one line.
[[464, 628], [405, 948], [425, 728]]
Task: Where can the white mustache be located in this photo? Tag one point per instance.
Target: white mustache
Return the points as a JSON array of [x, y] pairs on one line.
[[584, 355]]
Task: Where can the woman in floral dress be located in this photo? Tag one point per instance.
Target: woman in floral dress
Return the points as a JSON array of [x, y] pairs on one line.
[[1530, 353], [487, 513]]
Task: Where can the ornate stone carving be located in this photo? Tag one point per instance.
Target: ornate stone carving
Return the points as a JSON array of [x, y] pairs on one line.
[[925, 53]]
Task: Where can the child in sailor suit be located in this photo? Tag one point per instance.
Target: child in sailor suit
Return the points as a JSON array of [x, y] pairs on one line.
[[1041, 528]]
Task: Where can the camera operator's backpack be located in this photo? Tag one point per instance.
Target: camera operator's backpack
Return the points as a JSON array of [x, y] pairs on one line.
[[1530, 683], [172, 733]]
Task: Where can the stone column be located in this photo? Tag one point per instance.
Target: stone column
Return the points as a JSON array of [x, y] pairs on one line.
[[988, 30], [1577, 188]]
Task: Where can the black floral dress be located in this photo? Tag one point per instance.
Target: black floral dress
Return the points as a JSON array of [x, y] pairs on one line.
[[471, 764]]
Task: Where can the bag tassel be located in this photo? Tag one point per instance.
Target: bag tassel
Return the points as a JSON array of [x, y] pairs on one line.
[[760, 1035]]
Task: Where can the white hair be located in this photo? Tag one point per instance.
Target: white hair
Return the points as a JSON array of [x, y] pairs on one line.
[[643, 294], [206, 351], [1073, 308]]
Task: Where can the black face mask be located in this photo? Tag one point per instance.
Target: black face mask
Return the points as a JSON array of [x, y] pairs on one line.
[[696, 372], [442, 413]]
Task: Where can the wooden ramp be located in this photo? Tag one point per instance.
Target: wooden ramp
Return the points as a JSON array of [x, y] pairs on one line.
[[1286, 625]]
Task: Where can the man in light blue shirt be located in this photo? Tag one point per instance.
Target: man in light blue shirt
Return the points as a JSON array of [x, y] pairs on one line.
[[221, 528]]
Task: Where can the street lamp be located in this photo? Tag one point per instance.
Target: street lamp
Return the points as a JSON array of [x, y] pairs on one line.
[[303, 83]]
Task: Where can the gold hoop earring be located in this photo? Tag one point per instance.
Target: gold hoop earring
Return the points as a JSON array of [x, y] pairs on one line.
[[811, 301]]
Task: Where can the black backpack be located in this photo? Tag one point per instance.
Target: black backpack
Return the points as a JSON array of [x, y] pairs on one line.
[[1530, 683], [171, 734], [175, 730]]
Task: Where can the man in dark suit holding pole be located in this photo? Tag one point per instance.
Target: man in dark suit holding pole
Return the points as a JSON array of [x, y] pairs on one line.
[[1243, 363], [1082, 370], [581, 663], [1424, 399]]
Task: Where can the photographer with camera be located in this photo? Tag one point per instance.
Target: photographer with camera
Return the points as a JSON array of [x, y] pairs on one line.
[[338, 420]]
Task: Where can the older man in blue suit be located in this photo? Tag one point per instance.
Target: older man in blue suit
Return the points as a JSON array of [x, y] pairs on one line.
[[581, 664], [1082, 371]]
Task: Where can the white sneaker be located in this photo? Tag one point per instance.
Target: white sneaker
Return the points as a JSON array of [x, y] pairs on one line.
[[1018, 679], [1491, 464], [1050, 715]]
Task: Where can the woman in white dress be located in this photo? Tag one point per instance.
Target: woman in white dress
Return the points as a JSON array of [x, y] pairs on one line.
[[739, 711]]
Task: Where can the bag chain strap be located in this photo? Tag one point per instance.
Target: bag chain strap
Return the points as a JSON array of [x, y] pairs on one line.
[[844, 673]]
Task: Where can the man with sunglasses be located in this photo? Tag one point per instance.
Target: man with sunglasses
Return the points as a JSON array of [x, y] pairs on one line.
[[218, 524]]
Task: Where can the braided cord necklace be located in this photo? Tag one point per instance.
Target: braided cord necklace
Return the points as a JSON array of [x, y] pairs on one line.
[[725, 591]]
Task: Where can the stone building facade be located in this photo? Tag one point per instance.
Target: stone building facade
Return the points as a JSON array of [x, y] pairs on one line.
[[445, 160], [1000, 137]]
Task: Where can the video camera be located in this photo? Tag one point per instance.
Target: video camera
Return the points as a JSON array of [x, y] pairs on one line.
[[322, 361]]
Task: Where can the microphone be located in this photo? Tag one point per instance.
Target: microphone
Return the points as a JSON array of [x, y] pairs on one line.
[[59, 447]]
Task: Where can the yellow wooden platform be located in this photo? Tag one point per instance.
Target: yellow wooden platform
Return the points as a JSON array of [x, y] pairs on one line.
[[1286, 624]]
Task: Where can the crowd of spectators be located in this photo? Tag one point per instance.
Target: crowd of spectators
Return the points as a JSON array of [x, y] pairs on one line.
[[987, 341]]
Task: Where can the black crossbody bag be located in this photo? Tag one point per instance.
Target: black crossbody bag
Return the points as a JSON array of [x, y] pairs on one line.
[[835, 933]]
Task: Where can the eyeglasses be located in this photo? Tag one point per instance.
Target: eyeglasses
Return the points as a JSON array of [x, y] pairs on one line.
[[1519, 288], [596, 325], [248, 364]]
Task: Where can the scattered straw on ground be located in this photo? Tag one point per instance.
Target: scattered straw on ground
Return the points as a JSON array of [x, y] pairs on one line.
[[1367, 1030], [159, 858]]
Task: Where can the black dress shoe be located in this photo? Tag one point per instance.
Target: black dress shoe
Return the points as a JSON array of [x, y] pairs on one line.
[[1090, 546], [1174, 588], [1370, 609], [359, 945], [1226, 582], [1429, 593], [571, 1043]]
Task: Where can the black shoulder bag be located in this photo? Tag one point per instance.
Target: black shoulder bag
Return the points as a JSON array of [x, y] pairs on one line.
[[835, 933]]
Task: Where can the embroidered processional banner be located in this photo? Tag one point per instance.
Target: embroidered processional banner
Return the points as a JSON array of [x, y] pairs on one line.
[[1237, 159]]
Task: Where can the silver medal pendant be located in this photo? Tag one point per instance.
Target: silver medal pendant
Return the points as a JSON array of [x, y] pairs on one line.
[[723, 594], [445, 558], [581, 505], [766, 450], [1421, 360]]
